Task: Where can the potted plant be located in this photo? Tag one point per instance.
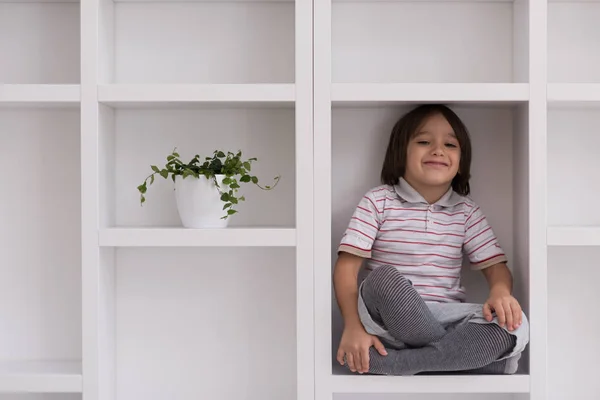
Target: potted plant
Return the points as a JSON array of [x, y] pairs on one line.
[[206, 191]]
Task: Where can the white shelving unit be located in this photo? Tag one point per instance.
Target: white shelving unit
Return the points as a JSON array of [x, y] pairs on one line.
[[102, 299]]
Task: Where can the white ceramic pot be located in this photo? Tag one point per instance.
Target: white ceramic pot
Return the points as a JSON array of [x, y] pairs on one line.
[[199, 202]]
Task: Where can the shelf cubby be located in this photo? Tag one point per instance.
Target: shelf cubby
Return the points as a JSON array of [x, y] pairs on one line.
[[429, 41], [362, 116], [39, 42], [572, 274], [573, 36], [164, 306], [40, 260], [133, 139], [168, 42], [572, 165]]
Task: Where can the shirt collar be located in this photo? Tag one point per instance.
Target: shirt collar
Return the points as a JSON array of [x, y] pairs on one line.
[[409, 194]]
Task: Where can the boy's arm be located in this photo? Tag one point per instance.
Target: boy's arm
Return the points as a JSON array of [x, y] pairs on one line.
[[507, 308], [345, 278]]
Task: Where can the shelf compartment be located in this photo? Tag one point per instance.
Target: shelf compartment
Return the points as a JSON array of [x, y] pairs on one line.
[[40, 377], [40, 41], [185, 305], [39, 95], [173, 95], [131, 140], [572, 281], [227, 237], [342, 93], [387, 41], [573, 136], [500, 141], [573, 36], [40, 261], [430, 384], [197, 42], [573, 236]]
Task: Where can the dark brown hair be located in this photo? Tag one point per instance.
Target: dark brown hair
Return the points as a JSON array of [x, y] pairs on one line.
[[394, 165]]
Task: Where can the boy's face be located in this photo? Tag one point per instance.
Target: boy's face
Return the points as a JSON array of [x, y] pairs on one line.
[[433, 154]]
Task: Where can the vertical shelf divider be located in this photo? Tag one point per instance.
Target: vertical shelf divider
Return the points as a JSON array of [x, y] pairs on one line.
[[305, 305], [538, 285]]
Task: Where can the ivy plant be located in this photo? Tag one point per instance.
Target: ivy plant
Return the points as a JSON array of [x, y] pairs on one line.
[[235, 169]]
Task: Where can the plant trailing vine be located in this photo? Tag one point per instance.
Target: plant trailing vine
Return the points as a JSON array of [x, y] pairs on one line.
[[235, 169]]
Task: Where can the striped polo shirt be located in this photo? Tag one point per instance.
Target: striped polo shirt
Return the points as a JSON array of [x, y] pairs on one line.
[[395, 225]]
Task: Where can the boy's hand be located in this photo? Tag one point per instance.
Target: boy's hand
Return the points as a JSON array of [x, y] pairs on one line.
[[507, 308], [355, 346]]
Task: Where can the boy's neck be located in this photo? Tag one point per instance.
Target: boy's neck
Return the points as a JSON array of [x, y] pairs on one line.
[[431, 194]]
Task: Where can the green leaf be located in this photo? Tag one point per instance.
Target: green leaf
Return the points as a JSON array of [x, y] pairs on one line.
[[231, 212], [253, 159], [220, 154], [164, 173], [247, 165], [173, 177], [170, 157], [225, 197], [242, 198], [245, 178], [151, 179], [227, 205], [176, 154], [226, 181], [142, 188], [234, 185], [254, 180], [155, 168], [142, 200], [233, 200]]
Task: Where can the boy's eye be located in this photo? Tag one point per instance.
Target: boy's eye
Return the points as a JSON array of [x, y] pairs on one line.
[[451, 145], [423, 142]]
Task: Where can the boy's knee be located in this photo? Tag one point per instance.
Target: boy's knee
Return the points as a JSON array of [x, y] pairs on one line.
[[384, 277]]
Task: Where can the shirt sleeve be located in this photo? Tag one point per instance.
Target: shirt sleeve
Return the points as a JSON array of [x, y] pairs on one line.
[[481, 244], [363, 227]]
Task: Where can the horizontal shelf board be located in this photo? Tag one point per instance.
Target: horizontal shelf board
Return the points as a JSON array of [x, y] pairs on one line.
[[123, 95], [573, 236], [573, 93], [39, 95], [430, 384], [182, 237], [429, 92], [40, 377]]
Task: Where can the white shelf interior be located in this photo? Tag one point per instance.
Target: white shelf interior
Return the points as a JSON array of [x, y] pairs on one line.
[[39, 42], [152, 40], [40, 260], [572, 165], [572, 273], [573, 35], [429, 41], [131, 140], [196, 310], [499, 136]]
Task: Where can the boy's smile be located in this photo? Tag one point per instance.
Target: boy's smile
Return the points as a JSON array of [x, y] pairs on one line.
[[433, 157]]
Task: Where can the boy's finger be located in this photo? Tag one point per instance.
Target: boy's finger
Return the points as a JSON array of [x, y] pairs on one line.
[[350, 358], [340, 356], [487, 312], [500, 313], [379, 347], [509, 316], [517, 314], [364, 357]]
